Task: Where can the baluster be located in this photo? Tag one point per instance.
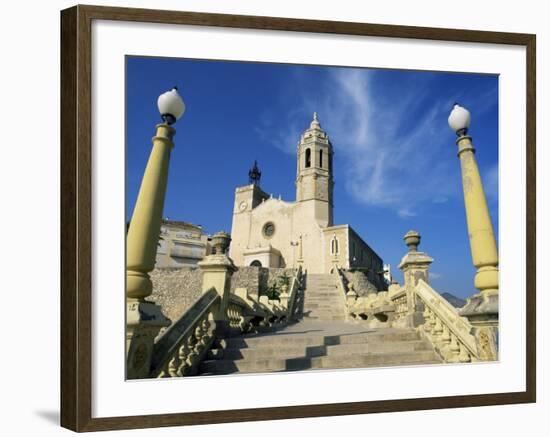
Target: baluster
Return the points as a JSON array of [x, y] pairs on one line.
[[183, 354], [173, 365], [198, 336], [445, 341], [454, 350], [437, 328], [191, 342], [231, 315], [205, 324], [428, 320], [445, 337], [464, 356]]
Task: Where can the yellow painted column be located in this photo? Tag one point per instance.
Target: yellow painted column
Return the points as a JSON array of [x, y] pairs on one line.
[[482, 308], [480, 229], [145, 319], [144, 230]]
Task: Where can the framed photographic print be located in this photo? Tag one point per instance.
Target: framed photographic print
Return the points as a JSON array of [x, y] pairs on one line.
[[273, 218]]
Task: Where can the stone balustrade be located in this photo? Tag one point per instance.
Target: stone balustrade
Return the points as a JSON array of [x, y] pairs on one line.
[[376, 308], [398, 297], [345, 288], [292, 299], [186, 342], [450, 334]]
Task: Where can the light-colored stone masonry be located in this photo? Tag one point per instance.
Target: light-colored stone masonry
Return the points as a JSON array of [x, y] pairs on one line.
[[176, 289]]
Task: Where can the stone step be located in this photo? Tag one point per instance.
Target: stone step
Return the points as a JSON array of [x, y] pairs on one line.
[[324, 299], [326, 302], [294, 351], [330, 362], [325, 318], [282, 339], [322, 295], [320, 312], [324, 307]]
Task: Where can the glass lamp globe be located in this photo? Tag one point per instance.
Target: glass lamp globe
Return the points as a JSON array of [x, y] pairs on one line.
[[459, 119], [171, 106]]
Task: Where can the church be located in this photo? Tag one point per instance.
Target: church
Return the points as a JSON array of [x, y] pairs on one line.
[[270, 232]]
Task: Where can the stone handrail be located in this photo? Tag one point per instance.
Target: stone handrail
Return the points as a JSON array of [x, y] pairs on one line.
[[347, 296], [244, 313], [450, 334], [398, 297], [291, 299], [247, 313], [374, 308], [183, 346]]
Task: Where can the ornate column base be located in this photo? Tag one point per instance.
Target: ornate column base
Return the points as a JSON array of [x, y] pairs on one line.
[[144, 320], [482, 312]]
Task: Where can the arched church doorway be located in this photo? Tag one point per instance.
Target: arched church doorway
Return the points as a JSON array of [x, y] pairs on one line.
[[255, 263]]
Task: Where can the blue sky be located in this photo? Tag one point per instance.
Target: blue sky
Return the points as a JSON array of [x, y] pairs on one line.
[[395, 163]]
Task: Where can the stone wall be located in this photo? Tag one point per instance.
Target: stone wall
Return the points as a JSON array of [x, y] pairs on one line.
[[246, 277], [271, 276], [361, 282], [257, 279], [175, 290]]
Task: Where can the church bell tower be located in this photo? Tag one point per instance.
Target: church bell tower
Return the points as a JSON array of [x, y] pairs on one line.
[[314, 182]]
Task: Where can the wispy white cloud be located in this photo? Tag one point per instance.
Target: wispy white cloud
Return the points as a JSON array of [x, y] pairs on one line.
[[394, 149], [434, 275]]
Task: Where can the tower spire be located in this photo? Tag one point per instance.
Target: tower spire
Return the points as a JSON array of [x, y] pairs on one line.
[[314, 182], [315, 122]]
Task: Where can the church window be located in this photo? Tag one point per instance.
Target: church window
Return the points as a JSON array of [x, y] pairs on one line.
[[256, 263], [308, 158], [269, 230], [321, 158]]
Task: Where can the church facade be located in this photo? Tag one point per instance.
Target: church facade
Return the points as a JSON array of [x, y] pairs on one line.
[[271, 232]]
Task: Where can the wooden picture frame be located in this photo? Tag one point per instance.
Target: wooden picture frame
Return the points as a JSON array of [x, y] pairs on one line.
[[76, 217]]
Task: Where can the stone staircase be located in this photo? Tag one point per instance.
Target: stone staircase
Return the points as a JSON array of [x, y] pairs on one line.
[[322, 299], [318, 345], [322, 339]]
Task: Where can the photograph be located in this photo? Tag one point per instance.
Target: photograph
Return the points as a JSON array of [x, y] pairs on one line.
[[293, 217]]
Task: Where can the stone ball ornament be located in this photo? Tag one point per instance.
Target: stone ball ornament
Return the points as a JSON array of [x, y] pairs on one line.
[[171, 106], [459, 119]]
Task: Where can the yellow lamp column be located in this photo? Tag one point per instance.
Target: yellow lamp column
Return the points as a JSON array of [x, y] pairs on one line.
[[482, 308], [144, 230], [145, 319]]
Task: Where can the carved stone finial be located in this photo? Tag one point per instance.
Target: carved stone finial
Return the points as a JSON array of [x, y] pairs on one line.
[[412, 240], [220, 242]]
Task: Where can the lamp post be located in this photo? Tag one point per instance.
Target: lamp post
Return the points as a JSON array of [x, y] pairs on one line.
[[482, 308], [144, 319], [294, 244]]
